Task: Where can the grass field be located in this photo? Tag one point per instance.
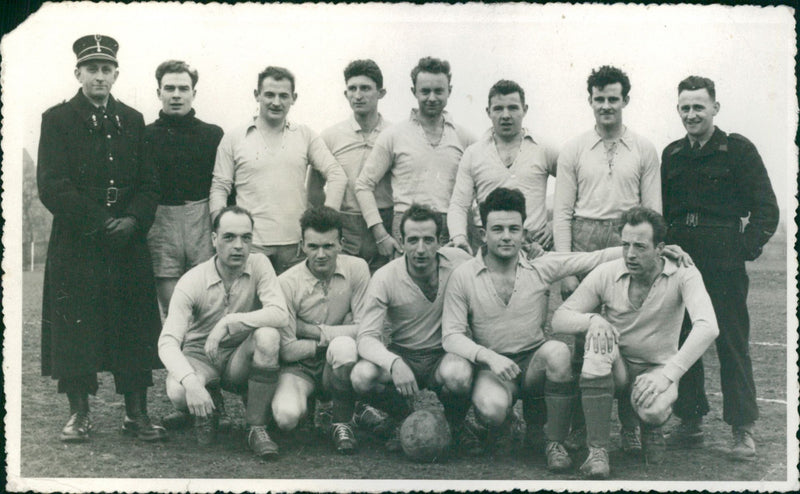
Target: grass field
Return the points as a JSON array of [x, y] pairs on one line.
[[304, 455]]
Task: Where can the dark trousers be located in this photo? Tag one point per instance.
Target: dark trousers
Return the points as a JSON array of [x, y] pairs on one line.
[[124, 382], [728, 292]]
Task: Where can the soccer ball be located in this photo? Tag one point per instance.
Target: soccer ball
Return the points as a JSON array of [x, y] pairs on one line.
[[425, 436]]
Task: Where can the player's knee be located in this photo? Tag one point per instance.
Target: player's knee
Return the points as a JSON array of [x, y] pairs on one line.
[[655, 414], [491, 408], [364, 377], [456, 375], [342, 352], [287, 413], [266, 343], [596, 364], [176, 393], [558, 359]]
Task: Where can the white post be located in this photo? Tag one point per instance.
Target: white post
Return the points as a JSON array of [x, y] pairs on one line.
[[33, 249]]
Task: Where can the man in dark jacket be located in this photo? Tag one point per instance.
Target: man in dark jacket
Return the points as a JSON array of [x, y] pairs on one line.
[[99, 310], [710, 181], [182, 148]]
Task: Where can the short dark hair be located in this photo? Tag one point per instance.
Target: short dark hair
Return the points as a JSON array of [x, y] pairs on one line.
[[606, 75], [432, 66], [506, 87], [420, 212], [694, 82], [234, 209], [176, 67], [503, 199], [322, 219], [277, 73], [640, 214], [367, 68]]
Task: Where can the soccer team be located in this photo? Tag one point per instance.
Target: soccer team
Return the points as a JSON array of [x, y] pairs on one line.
[[294, 268]]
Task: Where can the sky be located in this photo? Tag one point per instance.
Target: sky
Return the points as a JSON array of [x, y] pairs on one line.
[[549, 49]]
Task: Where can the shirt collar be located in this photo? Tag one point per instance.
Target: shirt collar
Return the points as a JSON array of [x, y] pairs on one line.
[[479, 265], [717, 142], [625, 138], [212, 275], [448, 120], [309, 277], [669, 269], [356, 127], [251, 125], [489, 134]]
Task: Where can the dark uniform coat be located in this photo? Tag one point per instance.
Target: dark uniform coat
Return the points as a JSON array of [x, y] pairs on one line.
[[99, 309], [705, 195]]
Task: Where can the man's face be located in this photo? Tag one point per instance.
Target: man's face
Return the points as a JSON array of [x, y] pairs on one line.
[[420, 243], [697, 111], [176, 93], [504, 233], [363, 94], [607, 103], [97, 78], [275, 97], [232, 239], [431, 91], [506, 112], [641, 256], [321, 250]]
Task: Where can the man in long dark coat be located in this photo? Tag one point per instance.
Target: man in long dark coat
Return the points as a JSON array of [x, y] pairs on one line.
[[99, 309]]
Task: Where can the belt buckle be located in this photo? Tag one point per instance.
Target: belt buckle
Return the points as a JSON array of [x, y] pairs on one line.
[[691, 219], [112, 194]]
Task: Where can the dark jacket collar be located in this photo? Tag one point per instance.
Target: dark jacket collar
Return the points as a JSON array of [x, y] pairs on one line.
[[717, 143], [91, 115]]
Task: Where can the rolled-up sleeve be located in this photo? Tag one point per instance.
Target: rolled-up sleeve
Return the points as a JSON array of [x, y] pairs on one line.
[[335, 178], [564, 201], [370, 328], [172, 335], [650, 184]]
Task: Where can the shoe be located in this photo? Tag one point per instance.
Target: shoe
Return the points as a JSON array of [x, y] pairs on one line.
[[177, 420], [558, 459], [688, 434], [343, 438], [77, 428], [224, 422], [143, 429], [260, 443], [535, 438], [629, 441], [393, 443], [596, 465], [576, 439], [471, 437], [654, 445], [744, 446], [370, 419]]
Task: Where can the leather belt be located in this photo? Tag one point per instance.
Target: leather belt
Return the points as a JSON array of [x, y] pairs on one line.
[[694, 219], [108, 195]]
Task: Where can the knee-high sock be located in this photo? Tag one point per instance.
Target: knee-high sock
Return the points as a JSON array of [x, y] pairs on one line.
[[627, 416], [597, 397], [78, 402], [534, 410], [343, 397], [260, 389], [558, 398], [455, 406]]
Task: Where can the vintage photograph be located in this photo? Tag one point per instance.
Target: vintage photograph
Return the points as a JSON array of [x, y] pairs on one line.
[[393, 247]]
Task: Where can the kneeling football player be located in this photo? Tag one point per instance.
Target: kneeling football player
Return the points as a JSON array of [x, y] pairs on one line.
[[632, 347], [324, 296], [220, 332]]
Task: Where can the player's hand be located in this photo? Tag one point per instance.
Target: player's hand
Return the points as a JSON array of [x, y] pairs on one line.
[[214, 338], [601, 336], [121, 228], [403, 378], [675, 253], [460, 242], [389, 247], [532, 250], [544, 236], [647, 387], [503, 367], [568, 285], [198, 400]]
